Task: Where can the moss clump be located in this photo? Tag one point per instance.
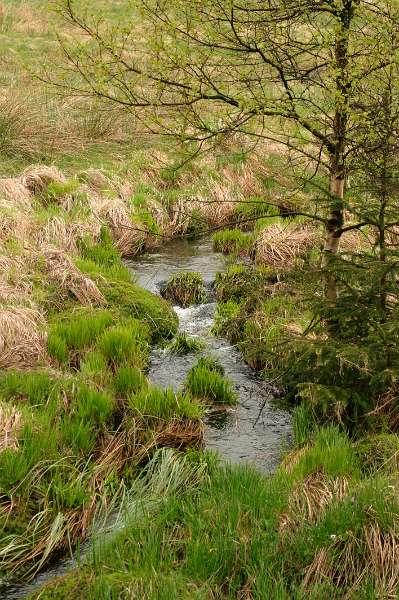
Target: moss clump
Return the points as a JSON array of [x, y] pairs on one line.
[[231, 241], [185, 289], [209, 385], [184, 344], [132, 301]]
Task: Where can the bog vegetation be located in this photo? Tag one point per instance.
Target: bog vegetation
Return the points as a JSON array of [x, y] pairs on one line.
[[277, 133]]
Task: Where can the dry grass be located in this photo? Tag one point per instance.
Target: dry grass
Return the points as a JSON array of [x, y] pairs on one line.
[[309, 500], [38, 177], [279, 245], [62, 271], [22, 338], [129, 238], [373, 555], [10, 421], [13, 193]]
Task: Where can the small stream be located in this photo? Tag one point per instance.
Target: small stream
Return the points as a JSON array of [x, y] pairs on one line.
[[252, 432]]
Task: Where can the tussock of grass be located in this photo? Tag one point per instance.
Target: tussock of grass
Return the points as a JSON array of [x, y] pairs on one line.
[[209, 385], [185, 289], [22, 337], [279, 245], [165, 404], [184, 344], [233, 241], [129, 380], [126, 344], [239, 281]]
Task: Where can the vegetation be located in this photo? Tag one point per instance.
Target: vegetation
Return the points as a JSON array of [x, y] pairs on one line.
[[206, 383], [185, 289], [184, 344], [290, 111]]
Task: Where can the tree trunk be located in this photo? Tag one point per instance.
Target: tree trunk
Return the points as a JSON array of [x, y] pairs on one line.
[[333, 230]]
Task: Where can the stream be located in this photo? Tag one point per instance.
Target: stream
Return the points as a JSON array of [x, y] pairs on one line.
[[252, 432]]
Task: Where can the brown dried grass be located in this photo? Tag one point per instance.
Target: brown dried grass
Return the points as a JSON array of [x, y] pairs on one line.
[[309, 499], [10, 422], [37, 177], [22, 338], [13, 193], [279, 245], [61, 270], [129, 238], [370, 556]]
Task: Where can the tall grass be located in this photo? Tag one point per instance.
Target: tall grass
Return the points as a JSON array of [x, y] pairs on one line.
[[165, 404], [185, 289], [210, 386]]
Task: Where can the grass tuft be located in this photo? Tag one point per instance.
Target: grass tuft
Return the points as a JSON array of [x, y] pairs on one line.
[[185, 289], [184, 344], [210, 386]]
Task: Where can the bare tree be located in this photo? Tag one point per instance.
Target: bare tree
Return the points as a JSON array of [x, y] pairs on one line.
[[289, 71]]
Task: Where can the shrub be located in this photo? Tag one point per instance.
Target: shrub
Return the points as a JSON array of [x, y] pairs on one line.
[[185, 289], [183, 344], [124, 345], [165, 404], [210, 386], [133, 301], [129, 380], [234, 241]]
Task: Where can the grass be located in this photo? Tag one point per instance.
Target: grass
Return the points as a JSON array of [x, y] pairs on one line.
[[239, 281], [233, 241], [185, 289], [184, 344], [318, 528], [209, 386], [126, 344], [129, 380], [165, 404]]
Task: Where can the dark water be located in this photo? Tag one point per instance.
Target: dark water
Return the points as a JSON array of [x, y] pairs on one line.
[[252, 432]]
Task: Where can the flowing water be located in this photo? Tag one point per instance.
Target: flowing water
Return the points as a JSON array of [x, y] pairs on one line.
[[253, 431]]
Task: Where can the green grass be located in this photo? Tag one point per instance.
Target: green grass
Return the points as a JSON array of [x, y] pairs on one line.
[[129, 380], [209, 386], [233, 241], [184, 344], [132, 301], [165, 404], [185, 289], [75, 330], [240, 281], [238, 532], [126, 344]]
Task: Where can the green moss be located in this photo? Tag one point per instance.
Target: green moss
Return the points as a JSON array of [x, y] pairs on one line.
[[132, 301], [185, 289]]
